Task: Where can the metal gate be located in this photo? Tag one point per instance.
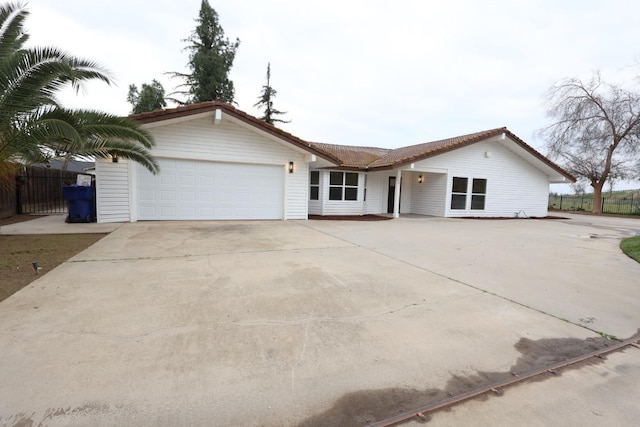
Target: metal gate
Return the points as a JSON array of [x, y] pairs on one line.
[[39, 190]]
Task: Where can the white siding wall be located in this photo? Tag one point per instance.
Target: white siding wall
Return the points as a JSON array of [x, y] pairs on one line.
[[297, 191], [227, 141], [429, 197], [375, 192], [112, 191], [406, 191], [513, 184], [315, 208]]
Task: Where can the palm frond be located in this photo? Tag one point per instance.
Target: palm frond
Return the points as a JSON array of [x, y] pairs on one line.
[[12, 35], [33, 126], [103, 125], [105, 148]]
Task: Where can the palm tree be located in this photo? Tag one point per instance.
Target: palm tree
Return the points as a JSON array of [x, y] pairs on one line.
[[34, 127]]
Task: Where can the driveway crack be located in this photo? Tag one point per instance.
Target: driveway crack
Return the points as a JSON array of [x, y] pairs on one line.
[[297, 322], [160, 258]]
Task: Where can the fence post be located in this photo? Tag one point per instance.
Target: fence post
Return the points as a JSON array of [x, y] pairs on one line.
[[19, 181], [561, 202], [602, 206]]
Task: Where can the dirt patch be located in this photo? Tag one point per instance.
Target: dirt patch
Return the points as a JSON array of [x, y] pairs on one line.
[[368, 406], [350, 217], [18, 253]]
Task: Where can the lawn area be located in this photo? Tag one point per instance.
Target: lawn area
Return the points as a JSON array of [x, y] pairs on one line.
[[631, 247], [17, 253]]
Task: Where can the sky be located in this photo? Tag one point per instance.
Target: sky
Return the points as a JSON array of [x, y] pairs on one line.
[[361, 72]]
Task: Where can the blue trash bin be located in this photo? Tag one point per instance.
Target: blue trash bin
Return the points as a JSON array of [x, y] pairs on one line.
[[80, 202]]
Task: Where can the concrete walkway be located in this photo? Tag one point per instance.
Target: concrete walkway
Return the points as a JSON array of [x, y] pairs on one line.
[[330, 323], [54, 224]]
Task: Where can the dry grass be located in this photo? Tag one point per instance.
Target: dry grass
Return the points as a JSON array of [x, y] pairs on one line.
[[17, 253]]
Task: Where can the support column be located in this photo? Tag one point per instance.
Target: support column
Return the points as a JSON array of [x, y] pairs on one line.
[[396, 196]]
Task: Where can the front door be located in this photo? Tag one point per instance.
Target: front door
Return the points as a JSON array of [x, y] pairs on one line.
[[392, 194]]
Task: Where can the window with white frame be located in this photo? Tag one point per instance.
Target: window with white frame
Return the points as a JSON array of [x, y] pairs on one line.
[[478, 193], [314, 187], [343, 186], [459, 193]]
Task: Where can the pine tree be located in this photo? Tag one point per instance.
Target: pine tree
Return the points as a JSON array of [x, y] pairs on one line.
[[211, 57], [266, 102]]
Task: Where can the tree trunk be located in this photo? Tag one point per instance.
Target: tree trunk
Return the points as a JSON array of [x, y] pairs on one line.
[[597, 197]]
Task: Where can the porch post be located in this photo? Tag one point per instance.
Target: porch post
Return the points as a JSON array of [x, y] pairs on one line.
[[396, 196]]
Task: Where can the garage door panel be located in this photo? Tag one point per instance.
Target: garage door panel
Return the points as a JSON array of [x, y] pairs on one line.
[[205, 180], [188, 196], [168, 179], [205, 196], [145, 179], [188, 180], [187, 190], [168, 211], [146, 196], [168, 196]]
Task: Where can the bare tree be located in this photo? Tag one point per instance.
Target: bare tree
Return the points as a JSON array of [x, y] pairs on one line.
[[578, 188], [596, 133]]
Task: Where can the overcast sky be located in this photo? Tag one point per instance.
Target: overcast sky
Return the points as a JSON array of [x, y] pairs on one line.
[[358, 72]]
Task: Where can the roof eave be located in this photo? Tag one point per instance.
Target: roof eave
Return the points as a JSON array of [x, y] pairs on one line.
[[413, 159], [205, 107], [408, 160], [540, 157]]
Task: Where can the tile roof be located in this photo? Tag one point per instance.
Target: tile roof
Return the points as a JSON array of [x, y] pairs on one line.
[[403, 155], [381, 158], [371, 158], [351, 156], [345, 156]]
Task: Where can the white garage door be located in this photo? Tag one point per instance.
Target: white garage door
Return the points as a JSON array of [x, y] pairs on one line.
[[188, 189]]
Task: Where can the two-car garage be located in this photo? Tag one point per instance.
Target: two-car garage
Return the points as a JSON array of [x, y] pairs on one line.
[[215, 163], [203, 190]]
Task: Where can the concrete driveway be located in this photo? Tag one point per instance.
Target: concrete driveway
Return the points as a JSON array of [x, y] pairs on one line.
[[324, 323]]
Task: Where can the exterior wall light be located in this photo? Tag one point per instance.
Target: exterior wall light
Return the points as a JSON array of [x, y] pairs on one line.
[[114, 159], [420, 179], [290, 167]]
